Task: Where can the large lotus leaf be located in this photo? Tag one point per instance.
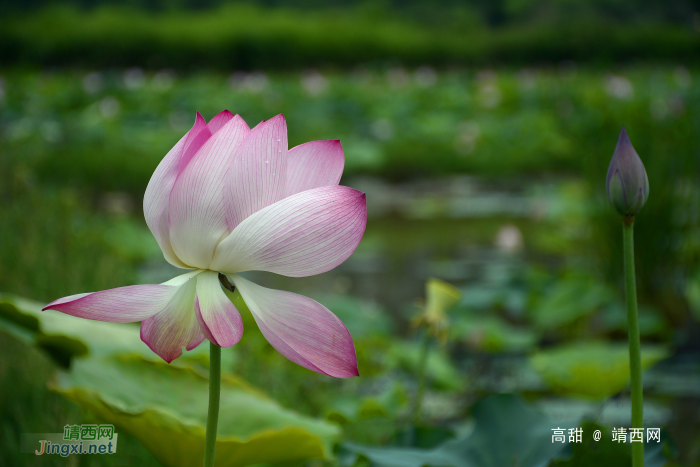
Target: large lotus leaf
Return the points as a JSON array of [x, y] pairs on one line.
[[66, 336], [570, 299], [651, 322], [592, 369], [399, 457], [507, 432], [162, 405], [492, 334], [165, 408]]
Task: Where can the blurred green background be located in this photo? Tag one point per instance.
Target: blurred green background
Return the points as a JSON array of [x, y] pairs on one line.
[[481, 132]]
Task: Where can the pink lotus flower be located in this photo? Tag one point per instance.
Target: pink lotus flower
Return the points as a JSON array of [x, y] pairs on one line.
[[230, 199]]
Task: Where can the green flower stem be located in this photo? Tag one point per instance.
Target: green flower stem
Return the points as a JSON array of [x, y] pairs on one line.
[[422, 363], [633, 336], [214, 396]]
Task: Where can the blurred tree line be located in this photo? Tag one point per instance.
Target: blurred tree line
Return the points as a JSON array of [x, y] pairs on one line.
[[277, 34], [441, 12]]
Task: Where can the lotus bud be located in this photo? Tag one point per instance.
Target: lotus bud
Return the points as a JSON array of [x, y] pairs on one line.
[[440, 297], [627, 182]]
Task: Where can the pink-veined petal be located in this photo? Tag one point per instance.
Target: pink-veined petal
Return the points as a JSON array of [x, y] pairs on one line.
[[314, 164], [181, 279], [120, 305], [301, 329], [157, 196], [69, 298], [302, 235], [197, 208], [175, 326], [219, 120], [217, 316], [257, 175]]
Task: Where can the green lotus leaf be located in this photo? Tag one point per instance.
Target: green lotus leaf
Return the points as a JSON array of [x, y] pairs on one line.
[[591, 369], [570, 299], [114, 375], [165, 409], [507, 431], [490, 333]]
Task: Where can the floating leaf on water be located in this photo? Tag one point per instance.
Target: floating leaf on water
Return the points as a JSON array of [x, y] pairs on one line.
[[651, 322], [570, 299], [591, 369], [491, 333], [508, 432]]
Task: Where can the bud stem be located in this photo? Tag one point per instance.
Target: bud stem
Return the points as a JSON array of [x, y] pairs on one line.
[[634, 342], [422, 376], [214, 396]]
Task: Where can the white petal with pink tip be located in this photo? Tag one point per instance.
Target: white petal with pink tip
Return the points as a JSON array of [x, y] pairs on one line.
[[197, 209], [217, 316], [157, 197], [301, 329], [175, 326], [302, 235], [314, 164], [120, 305], [257, 175]]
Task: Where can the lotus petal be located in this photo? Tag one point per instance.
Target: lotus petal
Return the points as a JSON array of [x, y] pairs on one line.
[[197, 209], [314, 164], [157, 196], [302, 235], [175, 326], [257, 175], [120, 305], [219, 120], [301, 329], [217, 316]]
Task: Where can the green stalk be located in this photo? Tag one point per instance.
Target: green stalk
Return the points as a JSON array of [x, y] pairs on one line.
[[422, 363], [633, 335], [214, 396]]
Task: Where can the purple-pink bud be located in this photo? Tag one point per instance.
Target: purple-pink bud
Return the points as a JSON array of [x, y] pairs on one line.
[[627, 182]]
